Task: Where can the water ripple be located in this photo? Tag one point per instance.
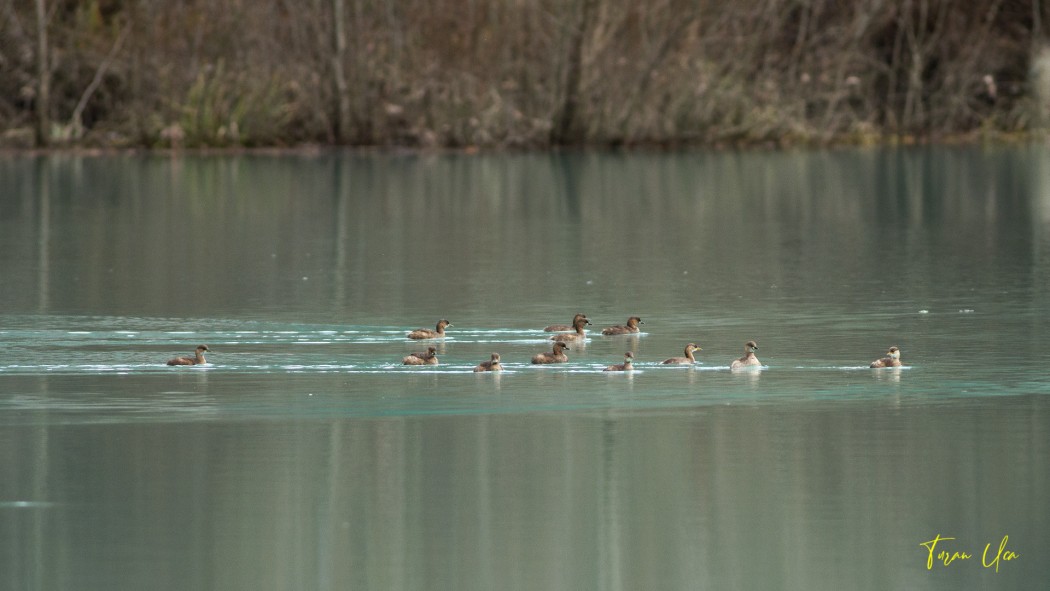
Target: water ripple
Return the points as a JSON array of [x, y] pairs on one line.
[[112, 369]]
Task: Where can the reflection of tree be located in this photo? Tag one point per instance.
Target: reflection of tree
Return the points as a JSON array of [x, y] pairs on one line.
[[566, 122], [43, 76], [340, 88], [43, 195], [611, 534]]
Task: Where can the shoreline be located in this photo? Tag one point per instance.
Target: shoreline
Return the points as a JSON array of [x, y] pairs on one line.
[[868, 141]]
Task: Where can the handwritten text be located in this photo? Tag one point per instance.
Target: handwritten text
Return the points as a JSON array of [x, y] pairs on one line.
[[947, 554]]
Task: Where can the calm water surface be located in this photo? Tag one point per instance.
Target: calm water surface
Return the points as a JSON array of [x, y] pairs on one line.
[[305, 456]]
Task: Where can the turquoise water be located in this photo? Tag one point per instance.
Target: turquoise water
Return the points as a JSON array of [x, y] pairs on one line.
[[304, 455]]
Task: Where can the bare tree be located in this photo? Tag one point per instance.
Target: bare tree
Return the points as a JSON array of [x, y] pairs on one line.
[[515, 72], [339, 85], [43, 77], [76, 121], [566, 125]]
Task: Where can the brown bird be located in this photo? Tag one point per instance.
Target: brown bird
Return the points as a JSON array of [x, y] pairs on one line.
[[428, 358], [197, 359], [493, 365], [688, 356], [628, 357], [426, 333], [556, 356], [892, 359], [566, 327], [748, 359], [632, 327], [570, 337]]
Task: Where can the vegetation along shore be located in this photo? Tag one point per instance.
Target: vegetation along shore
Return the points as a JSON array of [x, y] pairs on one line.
[[522, 73]]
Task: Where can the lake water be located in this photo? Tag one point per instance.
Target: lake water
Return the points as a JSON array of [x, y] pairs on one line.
[[305, 456]]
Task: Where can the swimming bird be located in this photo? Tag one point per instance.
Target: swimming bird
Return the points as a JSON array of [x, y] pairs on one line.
[[748, 359], [579, 335], [493, 365], [426, 333], [892, 359], [688, 356], [628, 357], [197, 359], [428, 358], [566, 327], [632, 327], [556, 356]]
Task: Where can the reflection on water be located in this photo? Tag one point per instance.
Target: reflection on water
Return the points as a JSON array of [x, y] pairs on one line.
[[726, 497], [367, 238], [304, 455]]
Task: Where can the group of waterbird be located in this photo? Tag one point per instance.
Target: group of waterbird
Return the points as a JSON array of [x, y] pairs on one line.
[[568, 333]]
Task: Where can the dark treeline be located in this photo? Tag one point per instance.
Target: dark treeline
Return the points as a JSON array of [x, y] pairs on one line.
[[534, 73]]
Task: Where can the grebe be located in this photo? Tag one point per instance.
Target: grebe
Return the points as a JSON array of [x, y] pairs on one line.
[[628, 357], [566, 327], [892, 359], [749, 358], [632, 327], [493, 365], [197, 359], [570, 337], [426, 333], [428, 358], [556, 356], [688, 356]]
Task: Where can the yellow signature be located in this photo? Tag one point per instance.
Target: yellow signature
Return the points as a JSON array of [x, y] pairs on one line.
[[948, 556]]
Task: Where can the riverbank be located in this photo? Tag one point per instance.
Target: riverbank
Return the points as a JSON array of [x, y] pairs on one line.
[[431, 75], [970, 138]]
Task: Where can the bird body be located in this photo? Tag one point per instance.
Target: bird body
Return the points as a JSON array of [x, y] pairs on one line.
[[577, 336], [426, 333], [892, 359], [557, 355], [627, 365], [491, 365], [566, 327], [688, 359], [630, 328], [748, 359], [427, 358], [197, 359]]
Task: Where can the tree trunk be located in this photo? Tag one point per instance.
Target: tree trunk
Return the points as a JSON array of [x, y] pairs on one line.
[[43, 77], [339, 86], [566, 125]]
